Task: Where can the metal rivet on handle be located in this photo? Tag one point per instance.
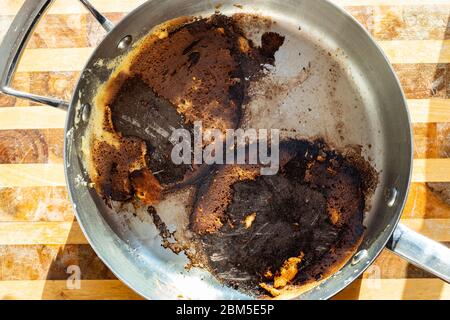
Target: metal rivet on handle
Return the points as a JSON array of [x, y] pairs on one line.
[[85, 112], [124, 43], [391, 197], [359, 256]]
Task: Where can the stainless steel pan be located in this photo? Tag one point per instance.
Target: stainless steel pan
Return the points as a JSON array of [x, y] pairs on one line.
[[130, 247]]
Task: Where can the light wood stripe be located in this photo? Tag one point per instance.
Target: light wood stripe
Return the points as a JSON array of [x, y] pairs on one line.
[[74, 7], [429, 110], [423, 203], [58, 290], [431, 170], [36, 60], [388, 265], [351, 3], [396, 289], [30, 233], [38, 117], [70, 6], [52, 204], [30, 175], [391, 289], [40, 262], [436, 229], [43, 117], [417, 51], [398, 51]]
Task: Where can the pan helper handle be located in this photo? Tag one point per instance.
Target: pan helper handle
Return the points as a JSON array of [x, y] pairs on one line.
[[16, 40], [421, 251]]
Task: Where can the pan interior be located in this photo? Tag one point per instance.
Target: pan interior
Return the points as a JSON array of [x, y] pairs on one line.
[[327, 78]]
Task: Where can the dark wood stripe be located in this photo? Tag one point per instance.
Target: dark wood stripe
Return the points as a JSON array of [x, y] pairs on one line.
[[422, 81], [53, 84], [429, 22], [31, 146]]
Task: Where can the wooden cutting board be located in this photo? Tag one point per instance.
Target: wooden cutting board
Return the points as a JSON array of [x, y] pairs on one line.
[[41, 244]]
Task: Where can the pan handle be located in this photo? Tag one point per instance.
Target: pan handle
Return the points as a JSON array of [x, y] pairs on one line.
[[421, 251], [16, 40], [13, 45]]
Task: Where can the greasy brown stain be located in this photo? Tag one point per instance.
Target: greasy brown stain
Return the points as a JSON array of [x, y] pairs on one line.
[[313, 208], [196, 71]]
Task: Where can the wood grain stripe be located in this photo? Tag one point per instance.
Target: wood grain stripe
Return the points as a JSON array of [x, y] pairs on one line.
[[431, 140], [24, 233], [383, 22], [394, 22], [31, 146], [423, 203], [40, 262], [43, 117], [58, 290], [51, 262], [36, 60], [398, 51], [53, 204], [417, 51], [419, 81], [389, 2], [396, 289], [429, 110], [52, 84], [36, 117], [29, 175], [73, 7], [388, 265], [30, 233], [390, 289], [35, 204], [70, 6], [431, 170], [436, 229], [423, 81]]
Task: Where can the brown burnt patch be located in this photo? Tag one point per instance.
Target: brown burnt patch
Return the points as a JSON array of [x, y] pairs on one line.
[[255, 231], [120, 171], [214, 196], [138, 112], [312, 209], [203, 69], [198, 69]]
